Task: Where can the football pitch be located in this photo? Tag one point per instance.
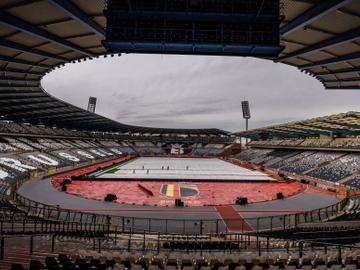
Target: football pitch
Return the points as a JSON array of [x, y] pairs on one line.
[[164, 168]]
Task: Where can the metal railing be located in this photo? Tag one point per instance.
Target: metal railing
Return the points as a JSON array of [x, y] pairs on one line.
[[177, 226], [234, 244]]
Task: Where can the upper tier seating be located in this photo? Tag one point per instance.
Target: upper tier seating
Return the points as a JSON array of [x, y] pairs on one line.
[[310, 162], [344, 143], [208, 149], [292, 159], [15, 128], [338, 169], [278, 156], [253, 155], [315, 142], [147, 147], [326, 165], [354, 182]]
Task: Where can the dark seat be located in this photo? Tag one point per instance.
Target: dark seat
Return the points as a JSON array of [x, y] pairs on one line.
[[35, 265], [110, 263], [17, 266]]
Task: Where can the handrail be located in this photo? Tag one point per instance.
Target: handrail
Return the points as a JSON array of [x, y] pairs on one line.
[[184, 226], [235, 245]]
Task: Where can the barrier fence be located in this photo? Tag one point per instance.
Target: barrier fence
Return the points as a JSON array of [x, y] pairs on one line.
[[115, 223], [156, 243]]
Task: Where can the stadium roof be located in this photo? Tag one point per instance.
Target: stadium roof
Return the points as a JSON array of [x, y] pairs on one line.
[[38, 35], [344, 124]]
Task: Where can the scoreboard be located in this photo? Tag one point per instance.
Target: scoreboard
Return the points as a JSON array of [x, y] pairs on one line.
[[208, 27]]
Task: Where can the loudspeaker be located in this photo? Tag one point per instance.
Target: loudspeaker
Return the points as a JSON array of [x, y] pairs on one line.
[[280, 196], [66, 181], [179, 203], [110, 197], [304, 181], [241, 200], [64, 188]]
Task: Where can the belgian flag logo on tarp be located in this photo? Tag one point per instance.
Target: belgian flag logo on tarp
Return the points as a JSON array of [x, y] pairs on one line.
[[167, 190], [183, 189]]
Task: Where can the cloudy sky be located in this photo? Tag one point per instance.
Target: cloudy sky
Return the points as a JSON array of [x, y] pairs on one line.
[[196, 91]]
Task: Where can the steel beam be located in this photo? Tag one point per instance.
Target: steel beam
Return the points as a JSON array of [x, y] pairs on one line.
[[334, 60], [27, 100], [82, 118], [19, 71], [319, 10], [19, 47], [56, 111], [337, 40], [23, 62], [338, 72], [22, 25], [77, 14], [342, 87], [18, 80], [63, 116], [191, 48], [191, 16], [349, 80], [19, 88], [21, 95], [29, 107]]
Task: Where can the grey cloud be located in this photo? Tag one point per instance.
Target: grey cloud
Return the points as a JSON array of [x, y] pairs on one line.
[[196, 92]]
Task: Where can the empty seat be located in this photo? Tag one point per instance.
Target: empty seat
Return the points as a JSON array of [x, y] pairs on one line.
[[17, 266], [35, 265], [153, 267], [321, 267], [350, 267], [336, 267], [170, 267], [118, 266], [136, 267], [306, 267]]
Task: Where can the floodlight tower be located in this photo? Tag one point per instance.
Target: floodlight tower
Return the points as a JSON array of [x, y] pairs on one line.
[[246, 115], [92, 104]]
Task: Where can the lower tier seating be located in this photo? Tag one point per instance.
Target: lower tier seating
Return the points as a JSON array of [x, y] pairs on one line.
[[84, 259]]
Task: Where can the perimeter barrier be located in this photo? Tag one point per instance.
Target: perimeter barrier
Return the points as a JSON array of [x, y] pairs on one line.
[[116, 223]]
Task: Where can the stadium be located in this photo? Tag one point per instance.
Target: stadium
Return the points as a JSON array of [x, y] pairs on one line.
[[82, 191]]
